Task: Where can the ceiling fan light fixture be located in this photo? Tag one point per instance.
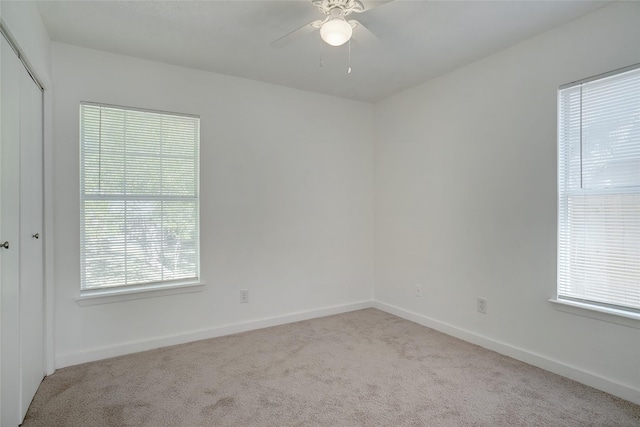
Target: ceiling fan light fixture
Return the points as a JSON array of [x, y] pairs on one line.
[[336, 31]]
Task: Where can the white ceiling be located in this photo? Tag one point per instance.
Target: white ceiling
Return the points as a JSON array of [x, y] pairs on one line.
[[419, 39]]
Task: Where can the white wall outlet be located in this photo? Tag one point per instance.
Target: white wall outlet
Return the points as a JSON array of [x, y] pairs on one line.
[[419, 291], [482, 305], [244, 296]]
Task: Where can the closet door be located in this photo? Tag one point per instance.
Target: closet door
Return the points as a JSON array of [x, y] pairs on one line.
[[21, 263], [31, 255], [9, 233]]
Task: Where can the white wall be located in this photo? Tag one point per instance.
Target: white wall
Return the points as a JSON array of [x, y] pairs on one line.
[[286, 203], [28, 32], [466, 202]]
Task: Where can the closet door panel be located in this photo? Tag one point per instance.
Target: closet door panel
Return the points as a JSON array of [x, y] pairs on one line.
[[31, 255], [9, 232]]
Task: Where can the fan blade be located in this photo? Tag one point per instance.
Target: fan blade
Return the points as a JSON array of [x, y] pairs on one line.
[[363, 35], [297, 34], [372, 4]]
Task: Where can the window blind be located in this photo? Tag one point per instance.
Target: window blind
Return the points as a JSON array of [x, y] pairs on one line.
[[139, 197], [599, 191]]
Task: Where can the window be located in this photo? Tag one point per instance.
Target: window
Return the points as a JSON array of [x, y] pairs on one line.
[[139, 186], [599, 191]]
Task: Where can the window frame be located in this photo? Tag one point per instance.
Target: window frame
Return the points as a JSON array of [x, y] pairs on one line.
[[107, 294], [627, 316]]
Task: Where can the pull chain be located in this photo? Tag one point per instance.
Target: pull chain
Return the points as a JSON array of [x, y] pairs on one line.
[[321, 62], [349, 68]]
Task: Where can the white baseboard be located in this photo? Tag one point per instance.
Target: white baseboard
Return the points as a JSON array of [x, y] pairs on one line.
[[612, 387], [69, 359]]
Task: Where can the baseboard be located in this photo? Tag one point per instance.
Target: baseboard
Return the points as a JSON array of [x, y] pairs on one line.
[[621, 390], [69, 359]]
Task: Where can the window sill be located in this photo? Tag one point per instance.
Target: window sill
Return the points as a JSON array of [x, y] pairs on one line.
[[610, 315], [107, 296]]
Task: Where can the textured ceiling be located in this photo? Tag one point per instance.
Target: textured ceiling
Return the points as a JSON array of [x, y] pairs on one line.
[[419, 40]]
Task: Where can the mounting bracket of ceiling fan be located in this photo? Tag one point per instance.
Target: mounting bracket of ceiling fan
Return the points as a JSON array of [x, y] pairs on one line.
[[335, 30], [347, 6]]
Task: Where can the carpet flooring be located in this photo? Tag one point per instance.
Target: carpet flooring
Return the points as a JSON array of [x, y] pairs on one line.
[[363, 368]]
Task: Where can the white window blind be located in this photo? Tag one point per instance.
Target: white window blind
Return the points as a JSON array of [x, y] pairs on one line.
[[139, 197], [599, 191]]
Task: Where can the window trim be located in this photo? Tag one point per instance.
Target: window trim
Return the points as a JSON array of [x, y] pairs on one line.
[[128, 293], [611, 315], [600, 76]]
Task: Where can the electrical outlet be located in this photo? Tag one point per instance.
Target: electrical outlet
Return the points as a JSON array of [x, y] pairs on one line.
[[419, 291], [244, 296], [482, 305]]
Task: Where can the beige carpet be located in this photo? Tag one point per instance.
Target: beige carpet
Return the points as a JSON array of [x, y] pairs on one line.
[[364, 368]]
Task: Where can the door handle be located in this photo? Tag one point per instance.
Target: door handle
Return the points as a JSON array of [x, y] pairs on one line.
[[36, 236], [5, 245]]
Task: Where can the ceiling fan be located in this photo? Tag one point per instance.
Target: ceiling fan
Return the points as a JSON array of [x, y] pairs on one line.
[[335, 30]]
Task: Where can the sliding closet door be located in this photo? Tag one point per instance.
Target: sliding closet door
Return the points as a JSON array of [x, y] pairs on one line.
[[31, 255], [21, 258]]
